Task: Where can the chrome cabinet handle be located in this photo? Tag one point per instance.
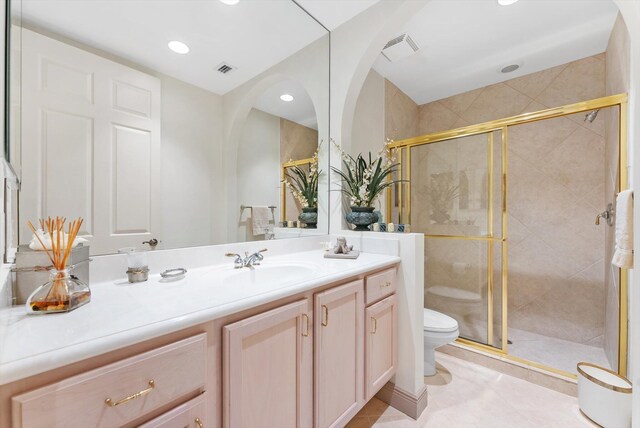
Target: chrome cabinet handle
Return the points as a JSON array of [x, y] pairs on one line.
[[386, 284], [325, 322], [199, 423], [306, 333], [112, 403], [374, 323]]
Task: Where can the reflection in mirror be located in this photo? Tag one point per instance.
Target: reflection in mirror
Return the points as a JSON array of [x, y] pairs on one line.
[[137, 130], [281, 126]]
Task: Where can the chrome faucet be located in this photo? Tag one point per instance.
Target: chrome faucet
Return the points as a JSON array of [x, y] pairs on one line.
[[248, 261], [253, 259], [238, 263]]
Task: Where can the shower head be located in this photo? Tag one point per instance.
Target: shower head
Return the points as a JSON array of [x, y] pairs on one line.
[[591, 116]]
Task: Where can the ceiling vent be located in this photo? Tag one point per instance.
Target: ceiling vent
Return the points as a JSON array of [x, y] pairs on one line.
[[225, 68], [399, 48]]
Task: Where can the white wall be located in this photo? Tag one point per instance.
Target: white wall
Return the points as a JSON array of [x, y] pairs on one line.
[[354, 47], [309, 67], [367, 132], [191, 148], [258, 168]]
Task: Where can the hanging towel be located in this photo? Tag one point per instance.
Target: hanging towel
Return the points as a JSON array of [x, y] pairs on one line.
[[260, 218], [623, 256]]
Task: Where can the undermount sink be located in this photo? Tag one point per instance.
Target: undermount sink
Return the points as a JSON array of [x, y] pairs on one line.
[[267, 274]]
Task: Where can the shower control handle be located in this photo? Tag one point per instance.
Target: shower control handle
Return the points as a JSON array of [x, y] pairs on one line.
[[607, 215]]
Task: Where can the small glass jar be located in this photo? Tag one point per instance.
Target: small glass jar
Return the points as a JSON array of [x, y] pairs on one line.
[[63, 293], [137, 264]]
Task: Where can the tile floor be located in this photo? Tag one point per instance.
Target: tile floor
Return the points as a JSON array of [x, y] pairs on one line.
[[557, 353], [464, 394]]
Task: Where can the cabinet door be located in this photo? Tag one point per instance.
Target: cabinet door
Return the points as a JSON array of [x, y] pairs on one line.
[[188, 415], [381, 344], [339, 359], [268, 369]]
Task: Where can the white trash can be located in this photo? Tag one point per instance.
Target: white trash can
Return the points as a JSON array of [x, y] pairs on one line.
[[604, 396]]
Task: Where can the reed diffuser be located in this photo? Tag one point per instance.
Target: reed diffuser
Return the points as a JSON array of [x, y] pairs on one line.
[[63, 292]]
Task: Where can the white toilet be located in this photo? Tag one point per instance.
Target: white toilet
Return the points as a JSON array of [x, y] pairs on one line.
[[439, 329]]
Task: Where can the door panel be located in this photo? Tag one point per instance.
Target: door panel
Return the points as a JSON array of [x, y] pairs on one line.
[[268, 369], [457, 200], [381, 344], [339, 359], [91, 130]]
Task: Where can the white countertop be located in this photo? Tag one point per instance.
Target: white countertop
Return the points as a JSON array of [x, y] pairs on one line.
[[121, 314]]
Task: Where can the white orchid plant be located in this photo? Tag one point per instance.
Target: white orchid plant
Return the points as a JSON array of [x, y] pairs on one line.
[[363, 180], [303, 185]]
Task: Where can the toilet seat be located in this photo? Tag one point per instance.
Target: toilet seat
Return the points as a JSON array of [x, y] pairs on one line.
[[438, 322]]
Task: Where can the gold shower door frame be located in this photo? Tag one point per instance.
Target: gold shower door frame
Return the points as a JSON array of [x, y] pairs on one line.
[[402, 149]]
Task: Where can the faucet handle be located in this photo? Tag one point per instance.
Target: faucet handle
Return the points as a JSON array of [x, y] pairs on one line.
[[263, 250], [238, 262]]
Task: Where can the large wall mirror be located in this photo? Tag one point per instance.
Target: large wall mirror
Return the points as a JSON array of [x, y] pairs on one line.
[[165, 119]]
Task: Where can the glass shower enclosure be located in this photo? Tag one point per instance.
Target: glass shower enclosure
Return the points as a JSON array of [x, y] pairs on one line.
[[458, 194]]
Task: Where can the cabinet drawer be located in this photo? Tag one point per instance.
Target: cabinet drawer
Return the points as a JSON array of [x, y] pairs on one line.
[[380, 285], [118, 393], [188, 415]]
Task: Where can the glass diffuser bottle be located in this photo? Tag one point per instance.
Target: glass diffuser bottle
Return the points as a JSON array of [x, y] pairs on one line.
[[63, 292]]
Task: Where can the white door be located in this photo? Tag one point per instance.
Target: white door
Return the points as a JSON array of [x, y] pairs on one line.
[[90, 144]]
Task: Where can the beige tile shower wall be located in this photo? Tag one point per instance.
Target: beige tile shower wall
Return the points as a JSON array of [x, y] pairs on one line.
[[400, 113], [617, 81], [556, 188], [296, 142], [400, 121]]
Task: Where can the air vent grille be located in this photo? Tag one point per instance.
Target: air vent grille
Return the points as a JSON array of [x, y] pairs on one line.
[[225, 68], [400, 47]]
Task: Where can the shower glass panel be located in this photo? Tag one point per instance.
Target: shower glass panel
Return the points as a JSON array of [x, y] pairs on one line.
[[507, 208], [456, 201], [563, 303], [450, 186]]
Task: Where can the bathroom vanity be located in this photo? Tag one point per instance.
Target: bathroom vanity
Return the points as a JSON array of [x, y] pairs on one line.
[[298, 341]]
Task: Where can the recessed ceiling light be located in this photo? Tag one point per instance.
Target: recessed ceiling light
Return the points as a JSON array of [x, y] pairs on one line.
[[230, 2], [509, 68], [506, 2], [178, 47], [286, 97]]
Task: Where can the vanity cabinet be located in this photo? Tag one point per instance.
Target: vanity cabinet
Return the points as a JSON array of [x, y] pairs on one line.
[[381, 330], [339, 346], [268, 369], [119, 393], [191, 414], [312, 359], [381, 344]]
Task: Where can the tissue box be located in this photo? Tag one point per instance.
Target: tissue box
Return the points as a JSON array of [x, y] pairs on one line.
[[31, 270]]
